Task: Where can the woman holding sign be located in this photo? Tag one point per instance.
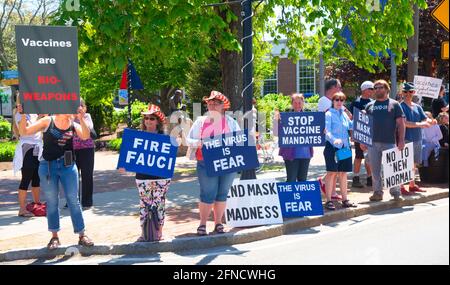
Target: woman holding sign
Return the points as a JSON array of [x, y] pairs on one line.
[[337, 152], [152, 189], [296, 159], [213, 190], [58, 167]]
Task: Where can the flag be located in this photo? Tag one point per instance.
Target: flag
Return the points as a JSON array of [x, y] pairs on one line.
[[136, 83]]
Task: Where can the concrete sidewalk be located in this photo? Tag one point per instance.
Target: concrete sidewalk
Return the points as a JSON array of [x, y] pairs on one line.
[[113, 223]]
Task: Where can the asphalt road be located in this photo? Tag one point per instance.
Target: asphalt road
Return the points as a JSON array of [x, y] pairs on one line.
[[410, 235]]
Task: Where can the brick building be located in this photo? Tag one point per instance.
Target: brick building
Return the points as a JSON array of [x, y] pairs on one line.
[[291, 77]]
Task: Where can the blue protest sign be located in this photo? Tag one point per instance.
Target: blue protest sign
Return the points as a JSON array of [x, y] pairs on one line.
[[231, 152], [299, 199], [301, 129], [362, 127], [147, 153]]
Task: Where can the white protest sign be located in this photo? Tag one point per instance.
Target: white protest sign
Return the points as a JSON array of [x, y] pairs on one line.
[[398, 166], [253, 203], [427, 86]]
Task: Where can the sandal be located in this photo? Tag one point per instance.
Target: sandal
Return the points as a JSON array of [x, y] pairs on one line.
[[53, 243], [201, 230], [25, 214], [219, 229], [348, 204], [85, 241], [330, 206]]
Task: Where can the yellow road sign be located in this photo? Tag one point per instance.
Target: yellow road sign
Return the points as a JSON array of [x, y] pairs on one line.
[[440, 14], [444, 50]]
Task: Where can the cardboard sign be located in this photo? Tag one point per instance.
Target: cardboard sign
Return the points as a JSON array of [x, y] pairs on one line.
[[147, 153], [300, 199], [362, 127], [47, 58], [301, 129], [253, 203], [398, 166], [230, 152], [5, 101], [427, 86]]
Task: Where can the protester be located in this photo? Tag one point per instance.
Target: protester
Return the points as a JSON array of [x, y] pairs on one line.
[[84, 157], [415, 121], [152, 189], [296, 159], [430, 141], [388, 118], [337, 152], [439, 105], [443, 125], [331, 87], [360, 103], [213, 190], [26, 160], [57, 167]]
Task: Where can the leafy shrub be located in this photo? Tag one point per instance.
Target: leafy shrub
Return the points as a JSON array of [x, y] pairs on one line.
[[271, 102], [7, 150], [114, 144], [5, 128]]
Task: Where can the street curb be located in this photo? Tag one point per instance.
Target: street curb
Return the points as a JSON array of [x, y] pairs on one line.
[[231, 238]]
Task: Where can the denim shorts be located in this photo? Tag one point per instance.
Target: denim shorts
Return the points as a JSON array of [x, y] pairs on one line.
[[417, 148], [213, 188]]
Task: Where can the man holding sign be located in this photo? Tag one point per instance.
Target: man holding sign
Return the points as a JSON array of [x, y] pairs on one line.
[[388, 119], [213, 189], [415, 120]]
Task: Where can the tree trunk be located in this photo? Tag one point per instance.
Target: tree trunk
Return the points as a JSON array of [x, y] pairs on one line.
[[231, 64]]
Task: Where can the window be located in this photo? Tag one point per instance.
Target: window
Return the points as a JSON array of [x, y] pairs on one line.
[[306, 77], [271, 84]]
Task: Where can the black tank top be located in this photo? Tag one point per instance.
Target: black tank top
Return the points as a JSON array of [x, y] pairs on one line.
[[57, 141]]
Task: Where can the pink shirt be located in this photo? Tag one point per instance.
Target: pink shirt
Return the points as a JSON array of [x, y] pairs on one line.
[[207, 131]]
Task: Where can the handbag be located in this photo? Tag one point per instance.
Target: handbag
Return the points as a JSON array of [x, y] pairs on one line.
[[344, 153]]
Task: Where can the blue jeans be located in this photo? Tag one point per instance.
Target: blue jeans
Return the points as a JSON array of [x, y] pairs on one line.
[[375, 152], [297, 169], [68, 177], [213, 188]]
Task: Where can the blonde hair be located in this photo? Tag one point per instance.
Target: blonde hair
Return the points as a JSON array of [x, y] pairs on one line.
[[297, 96]]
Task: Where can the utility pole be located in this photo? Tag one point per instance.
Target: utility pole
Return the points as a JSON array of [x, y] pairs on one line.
[[413, 48], [247, 70], [393, 76]]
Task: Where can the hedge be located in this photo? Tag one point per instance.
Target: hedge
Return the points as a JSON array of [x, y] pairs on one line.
[[7, 150]]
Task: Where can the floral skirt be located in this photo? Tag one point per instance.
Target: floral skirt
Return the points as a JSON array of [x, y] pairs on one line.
[[152, 194]]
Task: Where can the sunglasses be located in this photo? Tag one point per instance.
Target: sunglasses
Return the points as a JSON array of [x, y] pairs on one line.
[[378, 87], [410, 91], [370, 88], [150, 118], [339, 100]]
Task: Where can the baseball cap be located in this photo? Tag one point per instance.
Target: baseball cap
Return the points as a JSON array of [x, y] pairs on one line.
[[408, 86], [366, 85]]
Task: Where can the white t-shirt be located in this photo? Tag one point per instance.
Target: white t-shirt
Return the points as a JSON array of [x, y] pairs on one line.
[[325, 104], [32, 139]]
